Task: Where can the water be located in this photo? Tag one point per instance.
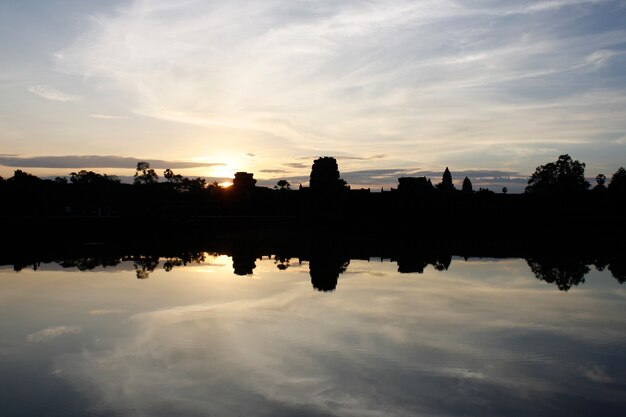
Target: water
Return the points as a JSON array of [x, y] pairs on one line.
[[483, 338]]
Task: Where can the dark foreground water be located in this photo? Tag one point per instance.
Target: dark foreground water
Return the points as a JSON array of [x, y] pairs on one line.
[[483, 338]]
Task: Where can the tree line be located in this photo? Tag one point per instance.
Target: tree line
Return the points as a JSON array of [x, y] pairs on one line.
[[560, 184]]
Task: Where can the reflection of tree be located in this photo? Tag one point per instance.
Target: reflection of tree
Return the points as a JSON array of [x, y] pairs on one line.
[[281, 262], [564, 272], [183, 260], [618, 269], [90, 262], [325, 271], [442, 263], [144, 265]]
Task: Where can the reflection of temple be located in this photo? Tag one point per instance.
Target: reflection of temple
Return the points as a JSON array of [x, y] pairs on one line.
[[244, 262], [415, 262], [325, 271], [328, 252]]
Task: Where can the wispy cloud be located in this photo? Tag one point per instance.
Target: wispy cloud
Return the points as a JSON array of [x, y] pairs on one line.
[[273, 171], [107, 116], [52, 94], [297, 165], [103, 312], [51, 333], [388, 178], [95, 161], [416, 81]]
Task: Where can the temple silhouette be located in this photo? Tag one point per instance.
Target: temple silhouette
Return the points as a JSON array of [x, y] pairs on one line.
[[558, 218]]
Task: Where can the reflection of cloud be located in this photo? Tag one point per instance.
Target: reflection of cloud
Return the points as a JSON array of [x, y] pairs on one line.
[[52, 332], [93, 161], [52, 94], [392, 347], [597, 374]]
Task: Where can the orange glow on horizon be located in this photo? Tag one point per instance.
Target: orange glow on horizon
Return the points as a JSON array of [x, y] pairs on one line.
[[225, 184]]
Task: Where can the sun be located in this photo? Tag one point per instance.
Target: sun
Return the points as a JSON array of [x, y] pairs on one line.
[[223, 171]]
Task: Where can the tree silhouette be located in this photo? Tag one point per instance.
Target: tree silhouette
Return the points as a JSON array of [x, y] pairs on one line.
[[282, 185], [144, 174], [172, 178], [84, 177], [600, 181], [24, 178], [618, 181], [564, 175]]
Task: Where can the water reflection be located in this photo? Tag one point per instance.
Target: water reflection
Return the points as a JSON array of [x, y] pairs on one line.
[[482, 338], [327, 263]]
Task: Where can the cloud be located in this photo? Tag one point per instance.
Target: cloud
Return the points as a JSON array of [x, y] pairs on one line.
[[51, 333], [388, 178], [415, 80], [106, 312], [107, 116], [599, 59], [620, 141], [273, 171], [350, 157], [297, 165], [52, 94], [94, 161]]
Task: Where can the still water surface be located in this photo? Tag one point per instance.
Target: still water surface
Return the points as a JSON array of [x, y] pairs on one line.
[[484, 338]]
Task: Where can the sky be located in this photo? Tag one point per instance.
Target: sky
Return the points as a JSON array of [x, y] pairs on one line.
[[391, 88]]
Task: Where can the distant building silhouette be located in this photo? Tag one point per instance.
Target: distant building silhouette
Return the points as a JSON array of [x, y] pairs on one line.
[[414, 185], [446, 183], [467, 186], [244, 181], [325, 175]]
